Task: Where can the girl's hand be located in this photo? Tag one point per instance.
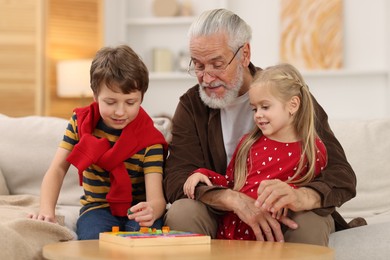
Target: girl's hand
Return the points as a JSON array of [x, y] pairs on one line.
[[143, 214], [192, 181]]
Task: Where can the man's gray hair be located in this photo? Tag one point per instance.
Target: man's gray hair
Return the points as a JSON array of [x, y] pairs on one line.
[[222, 21]]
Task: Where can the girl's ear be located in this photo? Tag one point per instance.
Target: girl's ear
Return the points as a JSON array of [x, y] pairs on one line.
[[294, 104]]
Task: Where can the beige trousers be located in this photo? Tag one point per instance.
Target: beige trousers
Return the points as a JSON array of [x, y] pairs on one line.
[[194, 216]]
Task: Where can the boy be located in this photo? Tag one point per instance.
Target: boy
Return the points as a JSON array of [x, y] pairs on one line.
[[116, 148]]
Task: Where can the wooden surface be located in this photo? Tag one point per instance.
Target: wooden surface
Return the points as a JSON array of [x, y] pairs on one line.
[[171, 238], [74, 30], [34, 35], [217, 250], [21, 65]]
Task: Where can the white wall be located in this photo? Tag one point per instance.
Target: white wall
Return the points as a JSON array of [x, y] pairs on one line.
[[360, 90], [365, 31]]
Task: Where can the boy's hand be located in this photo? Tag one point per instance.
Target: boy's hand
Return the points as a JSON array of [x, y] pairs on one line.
[[142, 213], [43, 217], [192, 181]]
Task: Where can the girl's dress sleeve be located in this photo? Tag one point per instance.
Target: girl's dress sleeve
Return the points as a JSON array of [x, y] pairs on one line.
[[215, 178]]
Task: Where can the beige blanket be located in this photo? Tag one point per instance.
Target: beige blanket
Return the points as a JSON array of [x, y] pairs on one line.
[[23, 238]]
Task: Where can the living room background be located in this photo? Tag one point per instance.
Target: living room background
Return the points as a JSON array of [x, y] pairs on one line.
[[31, 29], [361, 89]]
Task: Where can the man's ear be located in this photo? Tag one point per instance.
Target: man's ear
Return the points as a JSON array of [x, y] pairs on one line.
[[246, 53], [294, 104]]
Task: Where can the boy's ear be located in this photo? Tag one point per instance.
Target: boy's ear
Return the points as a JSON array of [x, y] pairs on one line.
[[295, 102]]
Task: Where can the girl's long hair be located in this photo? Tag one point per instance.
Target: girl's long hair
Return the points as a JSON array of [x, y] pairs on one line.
[[285, 82]]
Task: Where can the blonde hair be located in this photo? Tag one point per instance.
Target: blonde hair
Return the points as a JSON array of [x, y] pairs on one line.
[[285, 82]]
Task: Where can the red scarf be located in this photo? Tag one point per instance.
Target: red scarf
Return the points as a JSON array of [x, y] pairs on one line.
[[138, 134]]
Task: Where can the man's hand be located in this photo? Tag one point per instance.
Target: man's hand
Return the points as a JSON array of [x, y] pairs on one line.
[[274, 195], [264, 226]]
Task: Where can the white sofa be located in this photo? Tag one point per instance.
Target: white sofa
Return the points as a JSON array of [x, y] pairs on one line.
[[367, 146], [27, 145]]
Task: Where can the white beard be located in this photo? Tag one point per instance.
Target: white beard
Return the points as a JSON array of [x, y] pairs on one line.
[[230, 93]]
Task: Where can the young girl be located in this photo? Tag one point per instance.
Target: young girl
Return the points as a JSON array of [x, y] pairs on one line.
[[284, 144], [116, 148]]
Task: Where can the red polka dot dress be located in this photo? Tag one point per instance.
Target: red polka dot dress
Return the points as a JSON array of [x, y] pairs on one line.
[[268, 159]]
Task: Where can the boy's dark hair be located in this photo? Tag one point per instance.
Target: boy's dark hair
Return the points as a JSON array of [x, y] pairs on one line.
[[119, 67]]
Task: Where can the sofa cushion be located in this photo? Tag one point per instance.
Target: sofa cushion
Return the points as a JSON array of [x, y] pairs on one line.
[[367, 146], [27, 147], [366, 242], [3, 185]]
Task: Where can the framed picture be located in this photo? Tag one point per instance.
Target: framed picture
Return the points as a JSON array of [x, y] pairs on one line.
[[312, 33]]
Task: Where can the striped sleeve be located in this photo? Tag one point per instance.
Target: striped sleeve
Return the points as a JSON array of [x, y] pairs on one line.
[[154, 159], [70, 138]]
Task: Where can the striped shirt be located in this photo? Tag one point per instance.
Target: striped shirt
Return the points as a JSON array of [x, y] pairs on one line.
[[96, 181]]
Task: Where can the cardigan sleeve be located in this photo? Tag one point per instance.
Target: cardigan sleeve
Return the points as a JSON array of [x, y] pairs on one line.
[[197, 142]]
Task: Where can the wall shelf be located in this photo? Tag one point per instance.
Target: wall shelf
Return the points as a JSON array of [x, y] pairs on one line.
[[147, 33], [345, 73], [170, 75], [160, 21], [307, 73]]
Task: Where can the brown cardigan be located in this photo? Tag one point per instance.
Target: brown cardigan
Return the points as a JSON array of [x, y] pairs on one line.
[[197, 142]]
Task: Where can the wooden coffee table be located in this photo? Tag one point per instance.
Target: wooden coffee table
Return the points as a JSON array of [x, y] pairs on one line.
[[217, 250]]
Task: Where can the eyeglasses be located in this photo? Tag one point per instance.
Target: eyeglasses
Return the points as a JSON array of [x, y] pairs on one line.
[[198, 70]]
